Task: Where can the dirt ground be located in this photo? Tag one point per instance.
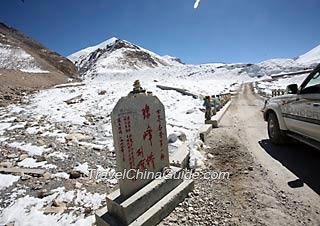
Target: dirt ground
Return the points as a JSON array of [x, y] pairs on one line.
[[268, 185]]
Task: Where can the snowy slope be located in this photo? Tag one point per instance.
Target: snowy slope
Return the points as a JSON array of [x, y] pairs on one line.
[[311, 57], [21, 53], [116, 55], [275, 66], [15, 58]]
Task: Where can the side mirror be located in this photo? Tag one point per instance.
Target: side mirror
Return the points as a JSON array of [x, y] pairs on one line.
[[292, 89]]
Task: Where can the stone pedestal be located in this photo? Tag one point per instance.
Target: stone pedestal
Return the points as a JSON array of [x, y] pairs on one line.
[[149, 205]]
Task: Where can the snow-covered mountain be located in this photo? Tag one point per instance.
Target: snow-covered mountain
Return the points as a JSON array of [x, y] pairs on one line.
[[275, 66], [116, 55], [311, 57]]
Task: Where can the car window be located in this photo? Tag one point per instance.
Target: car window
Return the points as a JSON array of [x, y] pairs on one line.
[[315, 80], [313, 85]]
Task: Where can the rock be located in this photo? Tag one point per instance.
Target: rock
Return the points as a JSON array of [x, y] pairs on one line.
[[250, 168], [43, 193], [182, 137], [196, 193], [47, 175], [103, 92], [57, 203], [78, 185], [23, 157], [86, 123], [172, 138], [75, 137], [40, 159], [56, 207], [40, 142], [24, 177], [75, 174], [210, 156], [52, 145], [75, 100], [6, 164], [12, 156]]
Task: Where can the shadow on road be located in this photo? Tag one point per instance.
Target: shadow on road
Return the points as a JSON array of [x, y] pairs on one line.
[[300, 159]]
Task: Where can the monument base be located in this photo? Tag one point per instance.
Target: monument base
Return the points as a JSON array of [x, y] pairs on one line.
[[148, 206], [180, 158]]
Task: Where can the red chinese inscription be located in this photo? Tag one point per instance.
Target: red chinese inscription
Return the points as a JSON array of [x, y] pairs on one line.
[[160, 132], [146, 112], [148, 134]]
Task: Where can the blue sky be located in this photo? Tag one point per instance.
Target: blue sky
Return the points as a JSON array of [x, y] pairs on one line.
[[218, 31]]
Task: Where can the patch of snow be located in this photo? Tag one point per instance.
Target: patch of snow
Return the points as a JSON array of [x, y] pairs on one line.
[[29, 148], [89, 200], [3, 127], [90, 145], [83, 168], [32, 163], [16, 58], [59, 155], [10, 119], [62, 175], [2, 139], [17, 126], [7, 180], [196, 158], [29, 210]]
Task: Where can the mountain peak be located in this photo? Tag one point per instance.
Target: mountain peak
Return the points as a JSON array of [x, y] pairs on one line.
[[114, 55]]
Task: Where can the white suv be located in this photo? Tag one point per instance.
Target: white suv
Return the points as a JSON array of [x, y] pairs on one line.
[[297, 114]]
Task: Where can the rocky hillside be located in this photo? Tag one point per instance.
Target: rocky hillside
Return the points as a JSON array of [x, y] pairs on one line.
[[116, 55], [25, 65]]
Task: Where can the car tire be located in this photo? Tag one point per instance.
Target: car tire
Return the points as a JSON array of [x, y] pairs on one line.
[[276, 135]]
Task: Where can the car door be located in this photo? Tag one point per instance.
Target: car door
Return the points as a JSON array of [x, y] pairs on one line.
[[302, 113]]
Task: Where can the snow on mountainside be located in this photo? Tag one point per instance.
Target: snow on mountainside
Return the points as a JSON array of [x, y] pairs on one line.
[[311, 57], [116, 55], [15, 58], [21, 53], [275, 66]]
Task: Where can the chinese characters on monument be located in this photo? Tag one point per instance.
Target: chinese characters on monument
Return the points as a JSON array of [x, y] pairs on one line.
[[140, 138]]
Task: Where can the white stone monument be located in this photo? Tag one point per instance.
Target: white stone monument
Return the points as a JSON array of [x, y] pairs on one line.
[[140, 138], [140, 141]]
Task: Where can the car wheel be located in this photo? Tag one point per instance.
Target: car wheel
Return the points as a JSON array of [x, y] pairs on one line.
[[276, 135]]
